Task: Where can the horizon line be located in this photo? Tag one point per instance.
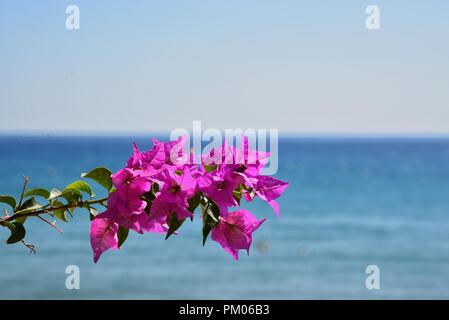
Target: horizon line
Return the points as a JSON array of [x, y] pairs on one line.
[[283, 134]]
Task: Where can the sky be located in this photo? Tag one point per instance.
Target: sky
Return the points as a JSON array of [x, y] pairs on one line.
[[296, 66]]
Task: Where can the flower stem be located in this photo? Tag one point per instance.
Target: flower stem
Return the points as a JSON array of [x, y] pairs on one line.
[[79, 204]]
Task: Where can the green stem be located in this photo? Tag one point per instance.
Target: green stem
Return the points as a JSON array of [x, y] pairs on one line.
[[79, 204]]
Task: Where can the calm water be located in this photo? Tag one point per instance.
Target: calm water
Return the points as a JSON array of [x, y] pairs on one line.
[[351, 203]]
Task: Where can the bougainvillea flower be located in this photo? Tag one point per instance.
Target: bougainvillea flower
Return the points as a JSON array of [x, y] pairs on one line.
[[152, 162], [126, 202], [127, 198], [178, 186], [163, 181], [174, 151], [152, 223], [249, 161], [219, 186], [161, 211], [266, 188], [218, 156], [234, 232], [103, 234], [147, 163]]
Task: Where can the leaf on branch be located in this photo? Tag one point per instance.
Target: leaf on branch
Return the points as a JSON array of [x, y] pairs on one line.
[[237, 193], [81, 186], [61, 213], [173, 224], [40, 192], [122, 235], [28, 206], [210, 168], [8, 200], [72, 196], [17, 232], [194, 202], [211, 215], [101, 175], [54, 193]]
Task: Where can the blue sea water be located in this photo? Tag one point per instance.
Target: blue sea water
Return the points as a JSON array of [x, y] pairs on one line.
[[352, 202]]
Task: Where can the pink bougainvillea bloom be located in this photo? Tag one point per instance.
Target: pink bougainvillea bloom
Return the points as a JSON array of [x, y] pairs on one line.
[[136, 160], [147, 163], [219, 185], [127, 198], [126, 204], [178, 187], [161, 211], [268, 189], [174, 151], [152, 223], [103, 234], [241, 160], [248, 161], [218, 156], [158, 183], [234, 232], [154, 161]]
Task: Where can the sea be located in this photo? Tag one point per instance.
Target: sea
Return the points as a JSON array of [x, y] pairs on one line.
[[357, 210]]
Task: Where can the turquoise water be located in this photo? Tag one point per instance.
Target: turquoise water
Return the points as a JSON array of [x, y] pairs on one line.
[[351, 203]]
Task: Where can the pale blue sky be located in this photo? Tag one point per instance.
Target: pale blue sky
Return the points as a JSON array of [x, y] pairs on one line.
[[303, 66]]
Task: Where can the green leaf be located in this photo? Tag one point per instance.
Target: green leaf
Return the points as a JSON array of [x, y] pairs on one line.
[[211, 211], [122, 235], [40, 192], [81, 186], [54, 193], [173, 224], [28, 206], [8, 200], [237, 193], [71, 195], [155, 188], [194, 202], [209, 168], [61, 213], [101, 175], [211, 215], [17, 232]]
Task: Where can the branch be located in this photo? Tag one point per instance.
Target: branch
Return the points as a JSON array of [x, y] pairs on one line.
[[52, 224], [79, 204], [31, 247]]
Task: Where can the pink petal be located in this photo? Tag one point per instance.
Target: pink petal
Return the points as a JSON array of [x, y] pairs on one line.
[[275, 206], [103, 234]]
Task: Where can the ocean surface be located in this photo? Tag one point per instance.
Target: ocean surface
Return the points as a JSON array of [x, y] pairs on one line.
[[352, 202]]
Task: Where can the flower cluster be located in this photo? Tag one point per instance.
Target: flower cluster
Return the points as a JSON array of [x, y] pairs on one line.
[[159, 189]]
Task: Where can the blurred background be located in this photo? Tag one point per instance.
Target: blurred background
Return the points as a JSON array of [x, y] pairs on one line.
[[364, 140]]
